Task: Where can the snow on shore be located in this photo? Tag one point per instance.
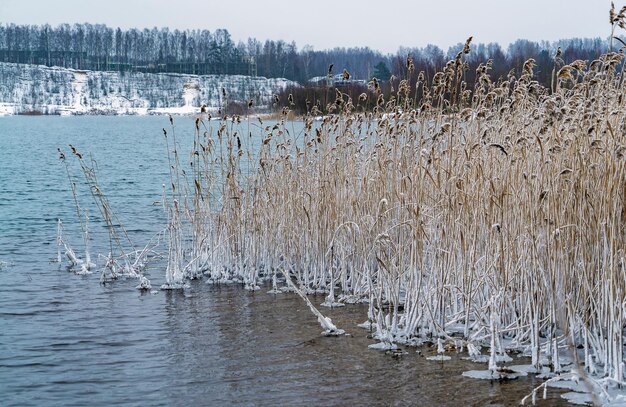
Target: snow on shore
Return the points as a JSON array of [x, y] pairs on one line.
[[35, 89]]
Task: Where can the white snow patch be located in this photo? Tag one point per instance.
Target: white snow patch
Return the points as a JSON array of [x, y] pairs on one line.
[[54, 90], [7, 109], [78, 90]]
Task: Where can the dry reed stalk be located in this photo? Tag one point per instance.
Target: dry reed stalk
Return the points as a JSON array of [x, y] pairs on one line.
[[497, 212], [510, 200]]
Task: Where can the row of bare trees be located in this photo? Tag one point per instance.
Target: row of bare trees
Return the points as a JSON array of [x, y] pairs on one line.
[[99, 47]]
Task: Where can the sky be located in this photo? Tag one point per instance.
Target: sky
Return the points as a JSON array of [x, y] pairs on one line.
[[381, 25]]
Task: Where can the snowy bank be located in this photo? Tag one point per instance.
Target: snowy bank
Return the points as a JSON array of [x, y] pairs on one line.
[[36, 89]]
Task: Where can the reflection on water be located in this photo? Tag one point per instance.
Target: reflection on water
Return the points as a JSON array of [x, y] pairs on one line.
[[66, 340]]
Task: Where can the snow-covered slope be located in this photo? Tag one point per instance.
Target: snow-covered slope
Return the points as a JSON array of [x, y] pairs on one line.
[[41, 89]]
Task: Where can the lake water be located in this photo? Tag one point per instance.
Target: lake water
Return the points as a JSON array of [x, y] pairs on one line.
[[67, 340]]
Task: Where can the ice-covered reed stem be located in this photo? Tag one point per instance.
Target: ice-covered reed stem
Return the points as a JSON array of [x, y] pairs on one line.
[[85, 266], [174, 274], [122, 259], [174, 277], [493, 361], [69, 252], [88, 264], [59, 240], [327, 324]]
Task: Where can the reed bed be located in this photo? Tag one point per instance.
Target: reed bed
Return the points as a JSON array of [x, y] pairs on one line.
[[490, 217]]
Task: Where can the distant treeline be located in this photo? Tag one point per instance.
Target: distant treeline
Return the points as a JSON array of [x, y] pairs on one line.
[[101, 48]]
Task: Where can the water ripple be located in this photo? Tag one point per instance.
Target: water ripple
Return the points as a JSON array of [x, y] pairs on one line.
[[67, 340]]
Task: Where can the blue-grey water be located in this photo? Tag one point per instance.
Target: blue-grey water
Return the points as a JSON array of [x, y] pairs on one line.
[[68, 340]]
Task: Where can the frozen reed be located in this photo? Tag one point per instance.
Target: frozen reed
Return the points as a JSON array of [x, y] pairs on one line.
[[485, 217]]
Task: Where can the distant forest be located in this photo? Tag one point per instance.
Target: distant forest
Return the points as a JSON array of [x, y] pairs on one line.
[[101, 48]]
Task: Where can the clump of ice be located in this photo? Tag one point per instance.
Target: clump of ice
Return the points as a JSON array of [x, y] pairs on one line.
[[332, 304], [618, 400], [583, 399], [175, 286], [336, 332], [455, 328], [504, 358], [569, 385], [383, 346], [564, 360], [289, 289], [439, 358], [352, 299], [524, 368], [144, 284], [414, 341], [84, 269], [501, 373], [440, 347], [472, 349], [366, 325], [329, 328]]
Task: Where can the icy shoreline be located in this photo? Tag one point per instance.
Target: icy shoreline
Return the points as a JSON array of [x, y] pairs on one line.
[[40, 90]]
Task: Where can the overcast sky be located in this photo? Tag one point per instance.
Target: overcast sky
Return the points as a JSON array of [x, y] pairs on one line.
[[382, 25]]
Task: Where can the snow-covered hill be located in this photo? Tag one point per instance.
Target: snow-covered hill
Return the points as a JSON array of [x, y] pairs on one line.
[[39, 89]]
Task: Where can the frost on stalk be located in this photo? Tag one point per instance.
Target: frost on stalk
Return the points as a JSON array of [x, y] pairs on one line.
[[88, 264], [59, 241], [440, 347], [327, 324], [493, 365], [174, 276], [275, 289], [330, 301], [69, 252], [473, 351]]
